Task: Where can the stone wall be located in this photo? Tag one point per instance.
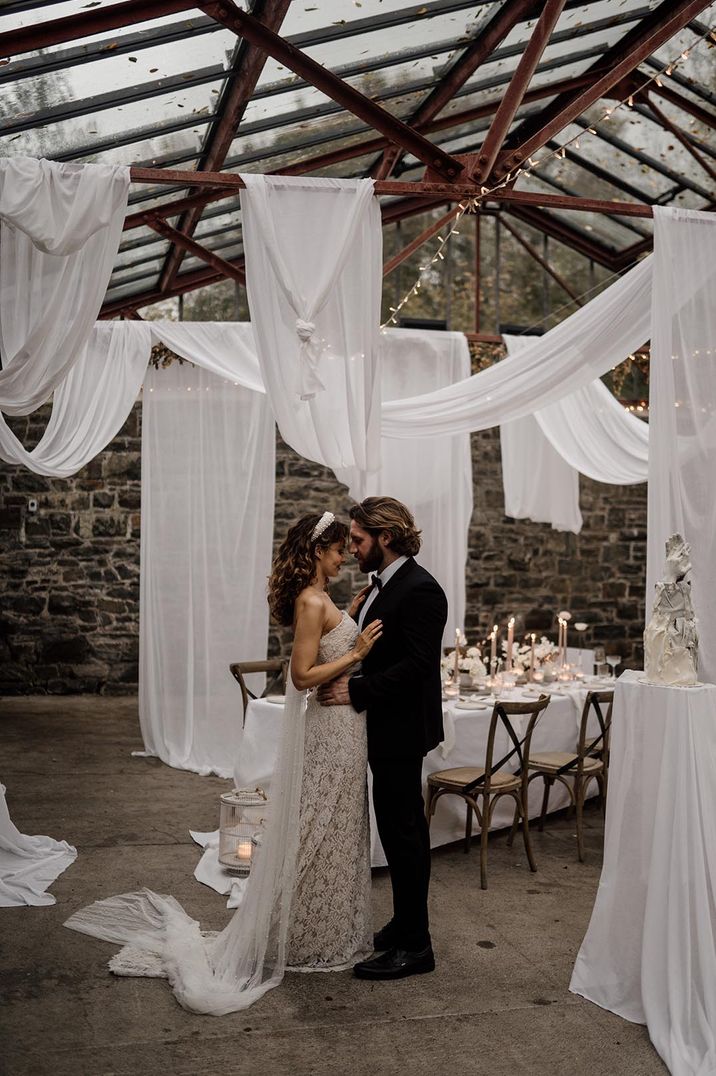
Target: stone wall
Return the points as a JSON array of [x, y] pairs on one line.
[[69, 573]]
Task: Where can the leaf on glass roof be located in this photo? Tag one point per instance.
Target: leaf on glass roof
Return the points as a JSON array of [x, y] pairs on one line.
[[95, 3], [109, 47], [153, 70], [421, 11], [132, 59]]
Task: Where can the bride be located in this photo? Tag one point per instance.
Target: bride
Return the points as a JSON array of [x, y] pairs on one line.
[[307, 902]]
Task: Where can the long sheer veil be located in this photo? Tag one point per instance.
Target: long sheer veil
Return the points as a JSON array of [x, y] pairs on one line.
[[223, 972]]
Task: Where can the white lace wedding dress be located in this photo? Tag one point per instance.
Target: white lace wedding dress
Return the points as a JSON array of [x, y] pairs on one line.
[[307, 902]]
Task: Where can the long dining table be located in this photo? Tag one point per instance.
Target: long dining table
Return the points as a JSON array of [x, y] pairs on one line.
[[466, 729]]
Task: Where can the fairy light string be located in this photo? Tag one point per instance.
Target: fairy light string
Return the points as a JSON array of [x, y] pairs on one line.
[[527, 167]]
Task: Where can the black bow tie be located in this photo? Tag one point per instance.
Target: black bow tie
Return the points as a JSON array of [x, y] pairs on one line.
[[377, 582]]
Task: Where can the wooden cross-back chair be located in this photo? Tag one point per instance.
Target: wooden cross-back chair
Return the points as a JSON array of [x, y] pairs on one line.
[[277, 666], [576, 769], [480, 787]]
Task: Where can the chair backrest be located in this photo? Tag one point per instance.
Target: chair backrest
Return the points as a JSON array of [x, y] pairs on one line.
[[597, 745], [518, 746], [240, 669]]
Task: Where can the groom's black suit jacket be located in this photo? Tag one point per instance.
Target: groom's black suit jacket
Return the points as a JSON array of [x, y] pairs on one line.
[[399, 685]]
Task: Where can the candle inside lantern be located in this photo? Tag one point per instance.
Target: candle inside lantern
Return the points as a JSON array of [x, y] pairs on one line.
[[244, 851], [532, 657], [560, 644], [510, 641]]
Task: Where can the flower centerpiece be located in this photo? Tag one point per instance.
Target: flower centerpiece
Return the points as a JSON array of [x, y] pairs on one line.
[[470, 662]]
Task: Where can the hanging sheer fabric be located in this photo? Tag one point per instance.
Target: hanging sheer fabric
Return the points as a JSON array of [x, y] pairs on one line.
[[537, 481], [208, 473], [314, 277], [226, 349], [220, 973], [28, 864], [682, 409], [434, 478], [91, 403], [568, 357], [60, 226]]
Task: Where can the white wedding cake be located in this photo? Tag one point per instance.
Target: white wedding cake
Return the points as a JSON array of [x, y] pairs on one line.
[[671, 645]]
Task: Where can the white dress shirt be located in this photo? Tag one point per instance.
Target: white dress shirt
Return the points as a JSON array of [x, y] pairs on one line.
[[384, 576]]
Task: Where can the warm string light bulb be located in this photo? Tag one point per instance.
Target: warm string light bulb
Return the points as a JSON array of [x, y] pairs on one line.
[[527, 167]]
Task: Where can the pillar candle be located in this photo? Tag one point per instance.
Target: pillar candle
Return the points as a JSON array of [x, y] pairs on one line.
[[510, 641], [456, 675], [493, 651], [532, 657]]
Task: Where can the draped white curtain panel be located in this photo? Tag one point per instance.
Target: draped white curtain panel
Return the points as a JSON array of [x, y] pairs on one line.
[[538, 483], [60, 226], [314, 277], [434, 478], [682, 409], [208, 467]]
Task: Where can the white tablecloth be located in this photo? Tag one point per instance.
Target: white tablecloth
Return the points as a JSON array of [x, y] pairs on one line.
[[466, 741], [649, 954], [28, 864]]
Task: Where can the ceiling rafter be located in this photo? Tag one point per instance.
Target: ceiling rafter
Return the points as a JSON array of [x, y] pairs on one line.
[[488, 38], [481, 164], [249, 64], [324, 80], [680, 135], [190, 246], [543, 262], [636, 46]]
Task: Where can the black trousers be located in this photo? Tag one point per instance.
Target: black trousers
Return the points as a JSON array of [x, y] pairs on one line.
[[400, 817]]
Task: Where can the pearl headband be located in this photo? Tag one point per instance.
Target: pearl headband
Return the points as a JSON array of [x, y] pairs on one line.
[[323, 524]]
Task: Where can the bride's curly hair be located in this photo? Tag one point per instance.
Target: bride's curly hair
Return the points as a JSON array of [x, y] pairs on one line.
[[294, 566]]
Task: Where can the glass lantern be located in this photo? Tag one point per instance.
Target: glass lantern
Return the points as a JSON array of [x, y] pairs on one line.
[[241, 821]]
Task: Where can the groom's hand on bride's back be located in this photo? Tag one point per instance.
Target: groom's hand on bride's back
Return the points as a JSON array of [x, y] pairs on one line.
[[335, 692]]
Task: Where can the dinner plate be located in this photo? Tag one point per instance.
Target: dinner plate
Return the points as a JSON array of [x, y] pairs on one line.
[[279, 700], [470, 705]]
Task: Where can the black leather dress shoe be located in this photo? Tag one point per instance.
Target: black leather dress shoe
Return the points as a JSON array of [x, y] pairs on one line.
[[396, 964], [386, 938]]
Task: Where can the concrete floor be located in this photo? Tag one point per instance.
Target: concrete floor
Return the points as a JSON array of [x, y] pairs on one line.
[[498, 1002]]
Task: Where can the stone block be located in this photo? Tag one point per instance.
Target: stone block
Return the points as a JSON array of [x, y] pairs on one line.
[[73, 649], [103, 499], [108, 526]]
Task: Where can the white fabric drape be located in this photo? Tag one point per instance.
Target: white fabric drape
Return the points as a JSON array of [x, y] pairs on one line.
[[313, 277], [434, 478], [568, 357], [91, 404], [226, 349], [593, 432], [682, 409], [28, 865], [231, 970], [649, 954], [538, 482], [60, 226], [208, 463]]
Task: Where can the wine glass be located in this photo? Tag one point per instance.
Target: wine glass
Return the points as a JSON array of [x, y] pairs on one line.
[[599, 659], [612, 661]]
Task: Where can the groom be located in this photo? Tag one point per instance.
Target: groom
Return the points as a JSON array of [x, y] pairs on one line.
[[399, 687]]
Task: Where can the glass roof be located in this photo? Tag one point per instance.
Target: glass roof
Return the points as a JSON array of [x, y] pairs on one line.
[[154, 94]]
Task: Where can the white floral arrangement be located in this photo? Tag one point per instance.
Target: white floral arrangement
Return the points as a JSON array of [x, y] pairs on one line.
[[470, 662], [545, 651]]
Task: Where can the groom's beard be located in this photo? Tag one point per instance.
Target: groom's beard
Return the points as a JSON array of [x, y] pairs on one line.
[[373, 559]]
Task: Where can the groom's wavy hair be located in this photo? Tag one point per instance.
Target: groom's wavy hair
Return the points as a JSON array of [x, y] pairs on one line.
[[379, 514], [294, 566]]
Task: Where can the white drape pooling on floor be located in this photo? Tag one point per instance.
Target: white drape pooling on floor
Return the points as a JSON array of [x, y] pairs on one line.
[[538, 482], [28, 865], [568, 357], [60, 226], [434, 478], [208, 470], [313, 278]]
